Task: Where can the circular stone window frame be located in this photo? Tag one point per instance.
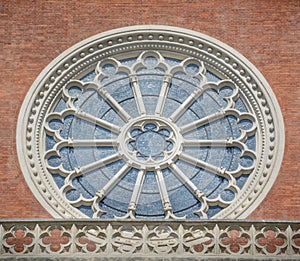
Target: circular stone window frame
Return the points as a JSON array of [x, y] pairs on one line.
[[218, 56]]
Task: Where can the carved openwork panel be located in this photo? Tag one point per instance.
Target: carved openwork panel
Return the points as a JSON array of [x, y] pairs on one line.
[[135, 239], [152, 122]]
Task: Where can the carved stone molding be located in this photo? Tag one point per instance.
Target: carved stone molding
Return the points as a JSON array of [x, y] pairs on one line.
[[90, 238]]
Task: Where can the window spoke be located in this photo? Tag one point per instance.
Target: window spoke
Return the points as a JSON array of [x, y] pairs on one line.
[[137, 95], [113, 182], [202, 164], [137, 189], [163, 95], [114, 104], [186, 181], [186, 104], [220, 171], [164, 196], [203, 121], [100, 122], [92, 143], [97, 164]]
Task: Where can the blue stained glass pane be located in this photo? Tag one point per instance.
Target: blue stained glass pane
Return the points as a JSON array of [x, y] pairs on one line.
[[241, 180], [59, 180], [87, 185], [50, 142], [54, 161], [182, 199], [206, 181], [102, 133], [150, 206], [151, 62], [246, 161], [87, 210], [111, 169], [78, 190], [211, 77], [129, 179], [189, 170], [110, 212], [227, 195], [245, 124], [93, 181], [179, 90], [75, 92], [83, 156], [65, 154], [150, 85], [235, 158], [170, 180], [218, 190], [213, 210], [55, 124], [130, 107], [129, 61], [200, 153], [150, 185], [66, 130], [235, 132], [120, 90], [103, 152], [169, 107], [118, 198], [239, 105], [88, 77], [192, 69], [185, 80], [150, 88], [150, 103], [200, 133], [172, 61], [251, 142], [61, 105]]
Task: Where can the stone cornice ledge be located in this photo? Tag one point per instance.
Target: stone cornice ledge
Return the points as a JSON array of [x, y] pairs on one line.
[[116, 239]]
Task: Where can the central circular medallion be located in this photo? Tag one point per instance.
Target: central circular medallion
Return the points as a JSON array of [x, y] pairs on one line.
[[150, 143]]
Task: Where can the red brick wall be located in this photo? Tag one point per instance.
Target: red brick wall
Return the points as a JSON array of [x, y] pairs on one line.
[[33, 33]]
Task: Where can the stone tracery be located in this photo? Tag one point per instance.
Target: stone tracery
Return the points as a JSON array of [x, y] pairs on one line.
[[127, 142], [243, 109]]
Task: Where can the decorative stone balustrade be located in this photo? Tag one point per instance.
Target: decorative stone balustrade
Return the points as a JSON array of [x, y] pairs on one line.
[[152, 239]]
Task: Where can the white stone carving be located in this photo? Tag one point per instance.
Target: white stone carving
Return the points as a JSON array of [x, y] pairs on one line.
[[59, 80]]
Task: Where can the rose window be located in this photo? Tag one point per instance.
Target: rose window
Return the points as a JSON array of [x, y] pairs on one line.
[[148, 132], [142, 128]]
